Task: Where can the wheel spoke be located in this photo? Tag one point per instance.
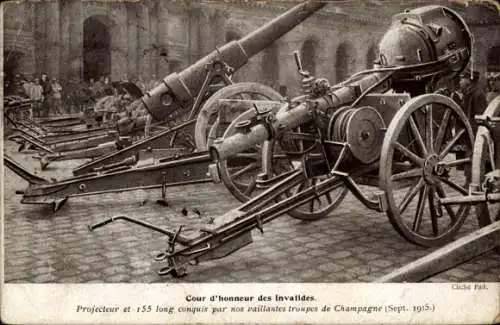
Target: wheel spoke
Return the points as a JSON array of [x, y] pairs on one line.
[[250, 187], [410, 195], [491, 149], [450, 144], [429, 136], [417, 136], [280, 156], [245, 169], [329, 197], [415, 172], [405, 151], [311, 205], [314, 181], [442, 129], [454, 163], [449, 209], [300, 188], [420, 208], [433, 211], [247, 155], [454, 185]]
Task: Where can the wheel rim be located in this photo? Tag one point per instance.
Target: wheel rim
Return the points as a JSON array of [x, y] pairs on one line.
[[318, 207], [484, 161], [417, 151], [209, 111], [238, 173]]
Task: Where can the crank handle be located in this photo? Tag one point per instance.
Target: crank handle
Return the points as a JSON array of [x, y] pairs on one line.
[[298, 62]]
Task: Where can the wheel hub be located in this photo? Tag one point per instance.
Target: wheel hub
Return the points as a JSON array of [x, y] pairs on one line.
[[431, 169]]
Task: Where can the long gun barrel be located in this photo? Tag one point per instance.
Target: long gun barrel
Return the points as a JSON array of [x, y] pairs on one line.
[[290, 118], [178, 89]]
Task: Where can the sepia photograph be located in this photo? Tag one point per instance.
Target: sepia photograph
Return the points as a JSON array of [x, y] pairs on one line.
[[266, 142]]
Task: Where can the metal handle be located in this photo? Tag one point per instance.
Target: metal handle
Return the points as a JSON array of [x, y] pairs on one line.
[[296, 55]]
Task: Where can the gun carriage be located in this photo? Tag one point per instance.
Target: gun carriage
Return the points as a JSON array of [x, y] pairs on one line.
[[391, 130], [160, 160]]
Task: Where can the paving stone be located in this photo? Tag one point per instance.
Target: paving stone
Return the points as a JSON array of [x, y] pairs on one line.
[[369, 256], [115, 270], [92, 259], [339, 255], [42, 270], [458, 273], [18, 275], [331, 267], [45, 278], [350, 261], [118, 278], [380, 263]]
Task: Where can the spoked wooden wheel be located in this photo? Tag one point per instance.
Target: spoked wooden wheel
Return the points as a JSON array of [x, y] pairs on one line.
[[486, 158], [208, 116], [321, 205], [239, 173], [420, 164]]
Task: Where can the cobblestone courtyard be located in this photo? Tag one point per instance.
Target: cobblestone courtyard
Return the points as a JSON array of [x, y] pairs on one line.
[[352, 244]]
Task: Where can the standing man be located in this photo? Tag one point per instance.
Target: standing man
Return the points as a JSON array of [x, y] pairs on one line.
[[47, 89], [494, 87], [56, 97], [28, 89], [471, 96], [37, 96]]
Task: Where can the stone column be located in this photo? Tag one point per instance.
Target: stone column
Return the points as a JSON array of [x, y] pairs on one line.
[[207, 41], [76, 39], [162, 41], [40, 37], [194, 27], [143, 42], [153, 46], [64, 71], [132, 35], [219, 35], [119, 43], [53, 37]]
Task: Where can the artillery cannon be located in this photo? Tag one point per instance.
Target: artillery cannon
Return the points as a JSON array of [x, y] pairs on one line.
[[209, 79], [389, 127], [193, 92]]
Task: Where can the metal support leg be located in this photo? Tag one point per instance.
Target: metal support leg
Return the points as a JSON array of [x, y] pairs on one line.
[[163, 200]]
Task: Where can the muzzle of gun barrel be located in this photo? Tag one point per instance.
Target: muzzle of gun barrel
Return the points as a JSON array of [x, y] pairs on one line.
[[284, 120]]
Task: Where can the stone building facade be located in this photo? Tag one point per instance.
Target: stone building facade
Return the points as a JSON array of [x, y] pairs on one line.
[[150, 39]]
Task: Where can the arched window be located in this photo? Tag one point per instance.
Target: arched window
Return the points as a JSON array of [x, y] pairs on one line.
[[494, 59], [270, 67], [96, 48], [308, 56], [346, 61]]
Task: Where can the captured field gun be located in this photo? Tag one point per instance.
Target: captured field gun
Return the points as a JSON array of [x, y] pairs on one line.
[[389, 127], [94, 132], [157, 161], [193, 92]]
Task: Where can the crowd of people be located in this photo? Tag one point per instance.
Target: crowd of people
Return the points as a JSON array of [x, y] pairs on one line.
[[54, 97]]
